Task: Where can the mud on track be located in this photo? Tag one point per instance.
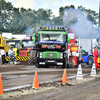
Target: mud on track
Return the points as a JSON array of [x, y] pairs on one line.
[[86, 89], [19, 75]]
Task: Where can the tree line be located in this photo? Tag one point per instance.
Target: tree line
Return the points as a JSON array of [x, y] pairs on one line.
[[20, 20]]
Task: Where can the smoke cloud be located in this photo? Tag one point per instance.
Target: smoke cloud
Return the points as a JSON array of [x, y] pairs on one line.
[[83, 27], [29, 30]]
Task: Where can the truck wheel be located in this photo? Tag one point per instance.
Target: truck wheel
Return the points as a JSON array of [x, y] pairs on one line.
[[90, 60], [67, 65], [63, 66], [41, 66], [32, 57], [38, 66]]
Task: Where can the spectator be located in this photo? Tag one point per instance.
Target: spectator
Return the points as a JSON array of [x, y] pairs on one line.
[[11, 54], [3, 54]]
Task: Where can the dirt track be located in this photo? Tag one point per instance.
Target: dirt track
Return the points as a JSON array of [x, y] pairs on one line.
[[80, 91], [19, 75]]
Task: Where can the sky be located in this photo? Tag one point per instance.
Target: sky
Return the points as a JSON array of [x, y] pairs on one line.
[[54, 5]]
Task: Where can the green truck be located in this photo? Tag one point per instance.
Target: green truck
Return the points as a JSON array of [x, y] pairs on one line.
[[51, 47]]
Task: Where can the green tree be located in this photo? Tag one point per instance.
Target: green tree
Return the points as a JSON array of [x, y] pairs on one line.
[[6, 12], [18, 20]]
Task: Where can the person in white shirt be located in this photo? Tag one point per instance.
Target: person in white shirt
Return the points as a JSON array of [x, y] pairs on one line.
[[11, 54], [3, 54]]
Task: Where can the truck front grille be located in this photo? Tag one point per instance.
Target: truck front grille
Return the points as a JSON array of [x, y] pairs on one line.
[[51, 55]]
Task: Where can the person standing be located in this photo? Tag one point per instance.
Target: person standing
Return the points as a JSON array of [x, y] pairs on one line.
[[11, 54], [3, 54], [95, 55]]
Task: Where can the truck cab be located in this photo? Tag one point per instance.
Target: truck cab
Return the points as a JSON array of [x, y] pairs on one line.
[[52, 46]]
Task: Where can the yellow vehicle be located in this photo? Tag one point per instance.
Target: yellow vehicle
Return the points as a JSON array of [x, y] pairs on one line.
[[98, 60], [3, 44]]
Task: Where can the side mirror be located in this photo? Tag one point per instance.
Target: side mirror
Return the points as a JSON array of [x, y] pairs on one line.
[[68, 39], [34, 37]]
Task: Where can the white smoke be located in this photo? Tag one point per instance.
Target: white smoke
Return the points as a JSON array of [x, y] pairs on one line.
[[29, 30], [83, 27]]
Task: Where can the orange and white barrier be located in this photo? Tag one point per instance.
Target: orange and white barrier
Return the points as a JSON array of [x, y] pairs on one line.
[[79, 73], [93, 70]]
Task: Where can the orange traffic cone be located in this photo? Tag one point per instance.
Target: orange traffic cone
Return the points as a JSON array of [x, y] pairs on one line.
[[64, 78], [35, 83], [1, 87]]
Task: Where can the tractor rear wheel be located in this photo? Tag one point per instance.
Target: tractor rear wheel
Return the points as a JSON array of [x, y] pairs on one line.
[[32, 57]]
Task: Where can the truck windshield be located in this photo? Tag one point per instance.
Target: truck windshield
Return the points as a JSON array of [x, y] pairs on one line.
[[51, 37]]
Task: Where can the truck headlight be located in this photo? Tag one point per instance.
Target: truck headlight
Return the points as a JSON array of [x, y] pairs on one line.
[[40, 54], [61, 55]]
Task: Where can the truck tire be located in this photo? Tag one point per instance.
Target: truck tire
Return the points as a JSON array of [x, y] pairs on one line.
[[90, 60], [32, 57], [64, 64], [37, 65], [41, 66], [67, 65]]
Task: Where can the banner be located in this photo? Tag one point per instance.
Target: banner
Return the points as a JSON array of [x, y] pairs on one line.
[[52, 42]]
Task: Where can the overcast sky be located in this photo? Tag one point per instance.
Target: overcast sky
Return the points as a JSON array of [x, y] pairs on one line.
[[54, 5]]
